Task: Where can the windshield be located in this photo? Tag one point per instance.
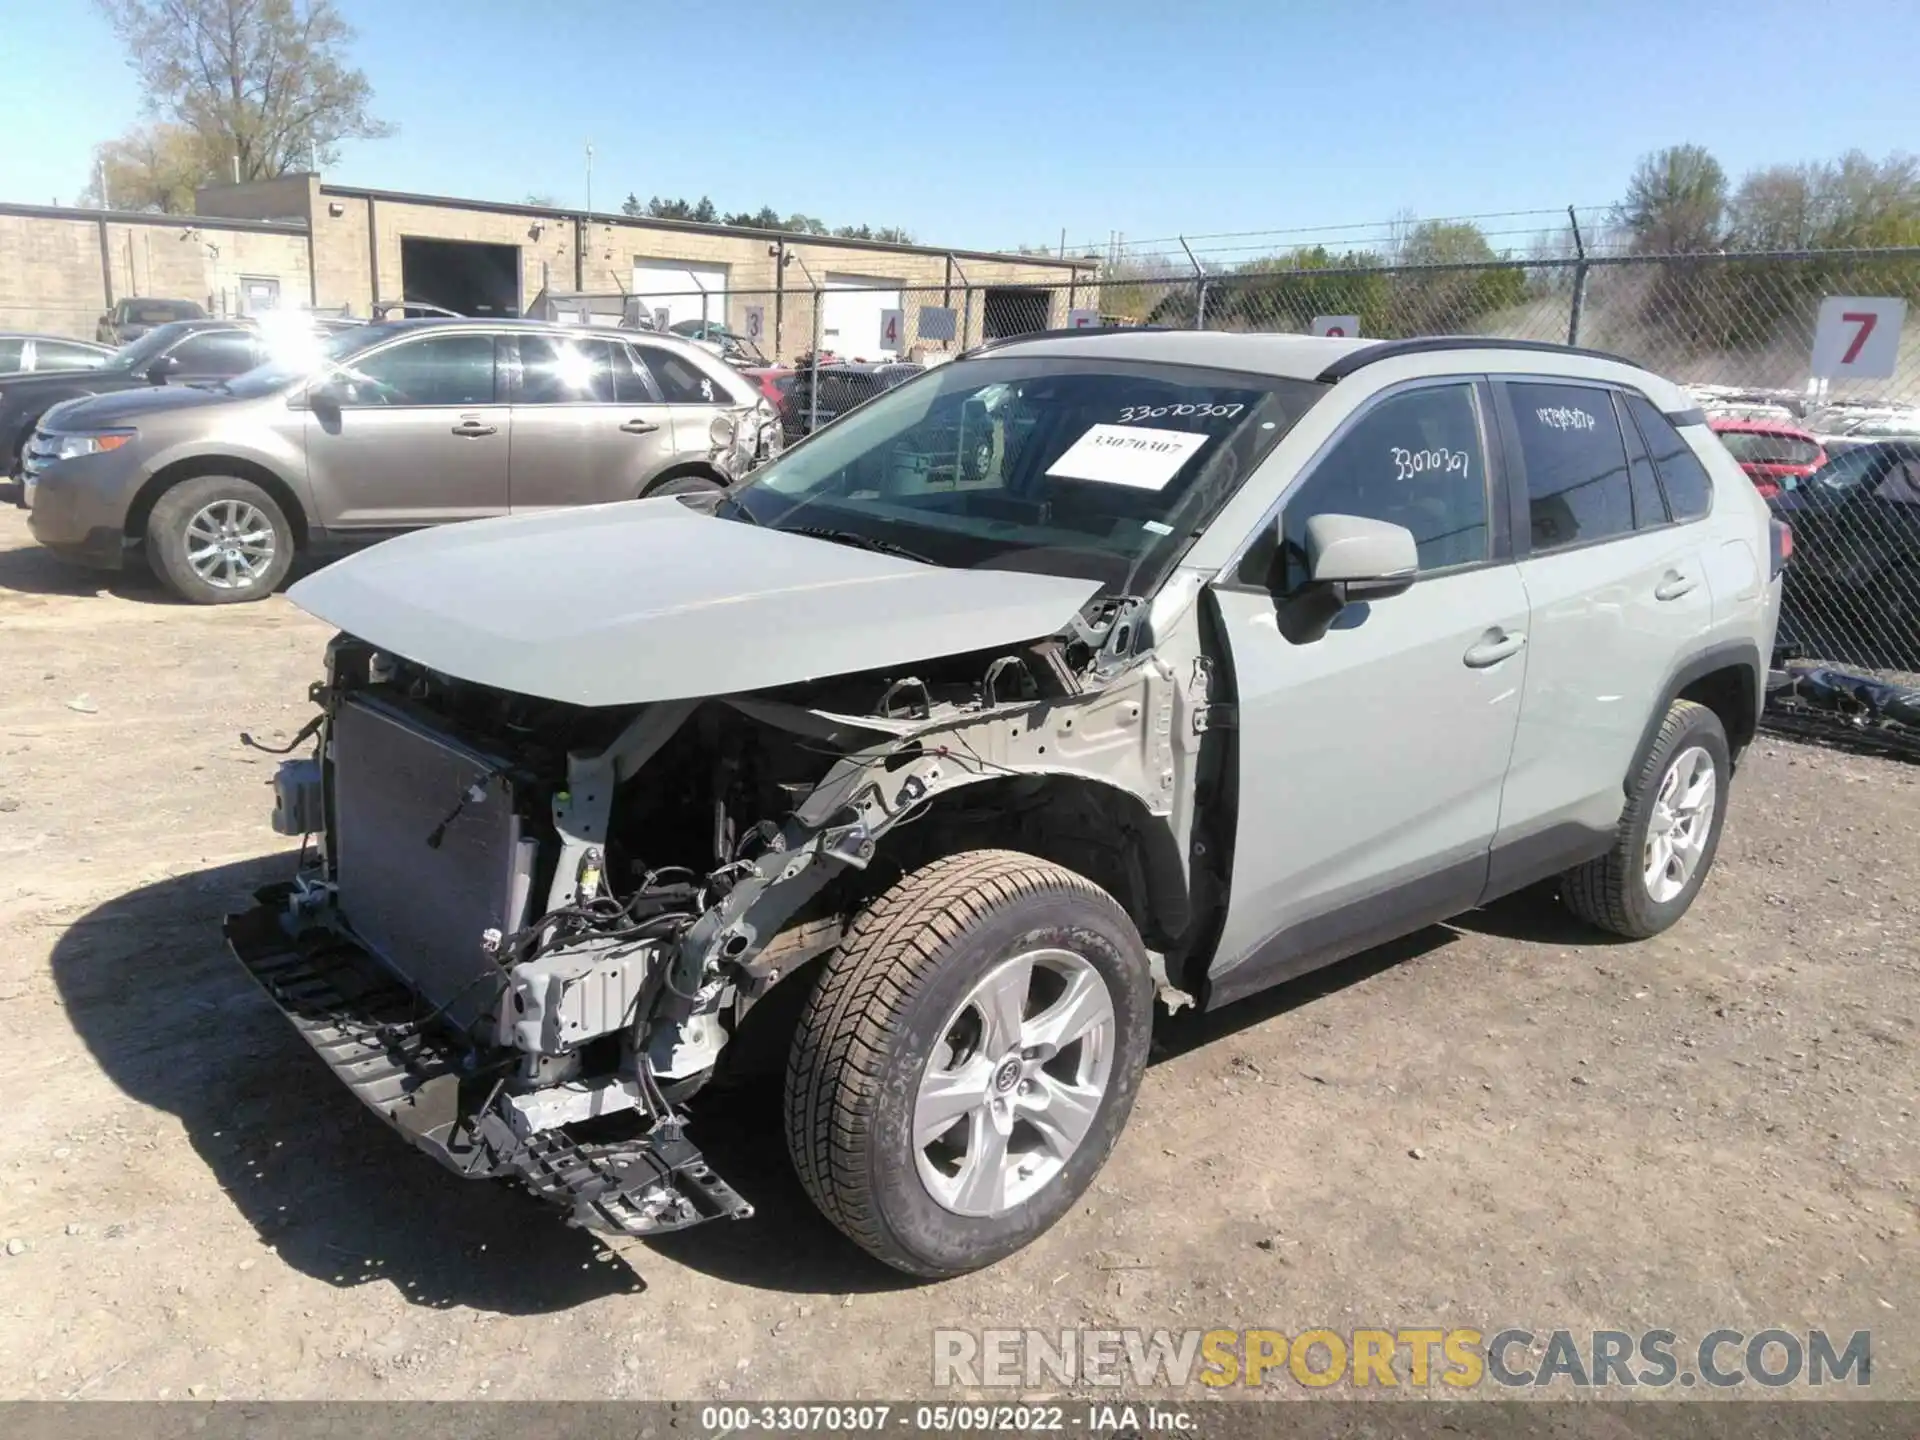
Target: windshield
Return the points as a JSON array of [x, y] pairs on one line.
[[296, 354], [146, 349], [1098, 470]]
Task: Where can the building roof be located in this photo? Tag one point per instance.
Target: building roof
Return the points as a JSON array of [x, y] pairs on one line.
[[696, 227]]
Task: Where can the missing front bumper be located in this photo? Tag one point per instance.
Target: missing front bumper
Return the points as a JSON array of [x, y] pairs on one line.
[[367, 1027]]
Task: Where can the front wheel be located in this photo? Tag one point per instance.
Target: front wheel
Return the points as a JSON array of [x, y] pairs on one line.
[[217, 540], [1668, 832], [967, 1060]]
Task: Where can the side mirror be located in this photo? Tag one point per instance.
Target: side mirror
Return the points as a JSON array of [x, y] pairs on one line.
[[326, 397], [1364, 559], [1350, 560], [161, 369]]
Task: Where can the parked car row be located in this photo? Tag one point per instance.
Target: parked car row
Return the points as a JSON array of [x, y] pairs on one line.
[[218, 469]]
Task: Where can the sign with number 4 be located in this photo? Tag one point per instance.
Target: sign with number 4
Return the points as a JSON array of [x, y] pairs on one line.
[[893, 324], [1857, 338]]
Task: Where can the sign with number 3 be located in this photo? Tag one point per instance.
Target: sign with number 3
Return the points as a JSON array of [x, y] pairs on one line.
[[1857, 338]]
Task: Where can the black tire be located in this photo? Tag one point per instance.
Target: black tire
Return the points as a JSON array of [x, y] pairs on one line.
[[684, 485], [167, 543], [1613, 892], [873, 1022]]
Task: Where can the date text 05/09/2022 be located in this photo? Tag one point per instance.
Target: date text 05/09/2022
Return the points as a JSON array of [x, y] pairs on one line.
[[985, 1419]]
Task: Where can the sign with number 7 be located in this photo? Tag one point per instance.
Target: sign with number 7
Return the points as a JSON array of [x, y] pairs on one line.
[[1857, 338]]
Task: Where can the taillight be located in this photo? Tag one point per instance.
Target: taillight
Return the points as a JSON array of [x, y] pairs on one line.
[[1782, 545]]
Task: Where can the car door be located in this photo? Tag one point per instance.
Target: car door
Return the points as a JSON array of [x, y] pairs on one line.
[[588, 427], [693, 396], [1370, 761], [410, 434], [1618, 589]]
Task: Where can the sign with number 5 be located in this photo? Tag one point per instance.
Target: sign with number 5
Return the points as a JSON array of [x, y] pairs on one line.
[[1857, 338]]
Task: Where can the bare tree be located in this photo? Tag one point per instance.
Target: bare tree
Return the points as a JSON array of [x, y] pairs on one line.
[[1676, 202], [264, 83]]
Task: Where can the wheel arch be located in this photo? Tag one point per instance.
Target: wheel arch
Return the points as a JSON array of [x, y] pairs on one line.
[[194, 467], [1728, 679], [685, 469], [1095, 828]]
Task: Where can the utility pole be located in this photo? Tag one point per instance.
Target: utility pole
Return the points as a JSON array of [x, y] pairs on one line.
[[105, 202], [589, 177]]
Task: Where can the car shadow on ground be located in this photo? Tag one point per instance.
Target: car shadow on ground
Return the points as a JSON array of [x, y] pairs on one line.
[[34, 571], [175, 1023]]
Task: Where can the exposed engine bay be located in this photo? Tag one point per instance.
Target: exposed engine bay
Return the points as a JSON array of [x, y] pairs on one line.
[[524, 931]]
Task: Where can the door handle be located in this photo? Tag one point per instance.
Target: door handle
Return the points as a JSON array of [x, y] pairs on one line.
[[1674, 586], [1493, 647], [472, 429], [639, 427]]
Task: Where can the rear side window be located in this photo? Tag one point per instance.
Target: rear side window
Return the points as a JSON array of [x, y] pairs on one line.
[[1682, 476], [11, 352], [681, 381], [1649, 505], [52, 355], [1576, 464]]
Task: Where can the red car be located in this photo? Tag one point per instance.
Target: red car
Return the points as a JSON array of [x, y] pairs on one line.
[[1772, 454]]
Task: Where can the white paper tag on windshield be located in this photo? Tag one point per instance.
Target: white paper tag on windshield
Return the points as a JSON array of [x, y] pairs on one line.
[[1134, 455]]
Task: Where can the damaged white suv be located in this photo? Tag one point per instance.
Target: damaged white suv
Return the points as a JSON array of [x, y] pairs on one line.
[[1084, 670]]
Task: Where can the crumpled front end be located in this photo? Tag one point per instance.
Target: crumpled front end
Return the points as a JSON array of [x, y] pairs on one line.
[[526, 930]]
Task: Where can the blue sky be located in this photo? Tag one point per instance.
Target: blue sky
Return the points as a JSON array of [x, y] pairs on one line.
[[991, 123]]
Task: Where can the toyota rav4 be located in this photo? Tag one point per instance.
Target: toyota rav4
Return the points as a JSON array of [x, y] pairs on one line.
[[1085, 672]]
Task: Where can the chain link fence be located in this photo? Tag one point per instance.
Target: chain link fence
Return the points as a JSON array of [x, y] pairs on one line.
[[1840, 462]]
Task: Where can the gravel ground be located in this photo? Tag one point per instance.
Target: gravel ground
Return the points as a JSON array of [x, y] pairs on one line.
[[1503, 1121]]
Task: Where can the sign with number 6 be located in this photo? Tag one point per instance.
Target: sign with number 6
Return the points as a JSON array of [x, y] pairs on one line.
[[1340, 327], [1857, 338]]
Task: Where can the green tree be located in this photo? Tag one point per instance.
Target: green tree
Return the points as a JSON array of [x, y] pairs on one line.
[[152, 167], [263, 84], [1676, 202]]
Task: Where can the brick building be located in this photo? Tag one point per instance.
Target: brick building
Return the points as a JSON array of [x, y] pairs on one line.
[[298, 241]]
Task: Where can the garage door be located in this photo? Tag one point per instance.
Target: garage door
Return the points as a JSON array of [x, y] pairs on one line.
[[850, 315], [685, 292]]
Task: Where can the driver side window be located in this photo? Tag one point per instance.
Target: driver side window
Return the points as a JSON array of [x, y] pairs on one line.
[[1415, 459], [436, 370]]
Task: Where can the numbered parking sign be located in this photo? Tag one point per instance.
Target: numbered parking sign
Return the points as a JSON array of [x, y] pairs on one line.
[[756, 322], [1857, 338], [1340, 327], [893, 325], [1083, 319]]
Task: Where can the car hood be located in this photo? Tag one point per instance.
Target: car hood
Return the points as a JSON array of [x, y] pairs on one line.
[[120, 405], [650, 600]]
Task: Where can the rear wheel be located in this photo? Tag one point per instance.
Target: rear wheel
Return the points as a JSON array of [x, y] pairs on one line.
[[1668, 832], [218, 540], [967, 1059]]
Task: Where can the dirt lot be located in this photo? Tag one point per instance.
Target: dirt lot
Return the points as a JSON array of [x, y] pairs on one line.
[[1507, 1122]]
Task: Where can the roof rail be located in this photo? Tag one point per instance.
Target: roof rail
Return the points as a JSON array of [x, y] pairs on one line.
[[1426, 344], [996, 343]]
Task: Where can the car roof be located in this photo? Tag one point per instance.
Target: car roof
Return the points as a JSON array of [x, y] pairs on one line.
[[1316, 357], [1758, 427]]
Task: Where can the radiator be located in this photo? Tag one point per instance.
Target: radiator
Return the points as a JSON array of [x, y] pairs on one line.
[[429, 855]]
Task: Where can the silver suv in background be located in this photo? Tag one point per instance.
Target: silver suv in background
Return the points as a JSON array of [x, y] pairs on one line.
[[380, 429]]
